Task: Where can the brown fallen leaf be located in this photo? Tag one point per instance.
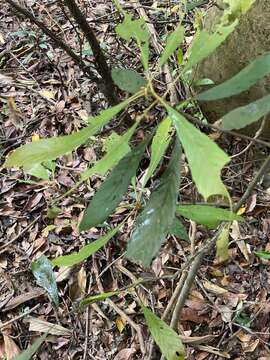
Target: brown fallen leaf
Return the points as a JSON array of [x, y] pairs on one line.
[[215, 289], [197, 340], [120, 323], [47, 327], [250, 347], [20, 299], [215, 351], [125, 354], [77, 286], [11, 348]]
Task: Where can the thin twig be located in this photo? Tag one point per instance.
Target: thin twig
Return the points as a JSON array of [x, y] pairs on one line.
[[54, 38], [100, 61], [229, 132], [11, 321], [3, 248]]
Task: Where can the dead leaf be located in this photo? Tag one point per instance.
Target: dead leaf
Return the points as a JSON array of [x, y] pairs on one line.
[[236, 235], [47, 94], [226, 313], [11, 348], [196, 340], [78, 285], [125, 354], [250, 347], [215, 351], [215, 289], [43, 326], [15, 115], [20, 299], [120, 324]]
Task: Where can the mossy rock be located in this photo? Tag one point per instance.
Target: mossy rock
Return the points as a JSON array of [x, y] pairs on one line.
[[250, 39]]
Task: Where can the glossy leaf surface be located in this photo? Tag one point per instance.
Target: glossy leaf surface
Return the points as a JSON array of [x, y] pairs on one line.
[[112, 190], [209, 216], [152, 225], [43, 272], [166, 338]]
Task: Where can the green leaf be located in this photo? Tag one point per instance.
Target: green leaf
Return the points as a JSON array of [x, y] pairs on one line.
[[85, 251], [209, 216], [263, 254], [28, 353], [246, 115], [103, 296], [204, 43], [173, 41], [118, 149], [166, 338], [177, 229], [37, 170], [153, 224], [128, 80], [205, 158], [43, 272], [159, 145], [49, 149], [223, 243], [137, 30], [112, 190], [240, 82]]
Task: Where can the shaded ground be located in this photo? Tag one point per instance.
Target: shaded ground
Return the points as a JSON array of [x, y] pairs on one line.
[[43, 93]]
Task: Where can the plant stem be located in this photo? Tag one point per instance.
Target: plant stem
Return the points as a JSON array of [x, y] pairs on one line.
[[100, 61], [54, 38]]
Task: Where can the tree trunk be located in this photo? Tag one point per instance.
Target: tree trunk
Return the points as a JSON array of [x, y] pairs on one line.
[[250, 39]]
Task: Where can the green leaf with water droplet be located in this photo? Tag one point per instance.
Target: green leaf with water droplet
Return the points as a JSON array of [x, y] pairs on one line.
[[166, 338], [112, 190], [42, 270], [153, 224]]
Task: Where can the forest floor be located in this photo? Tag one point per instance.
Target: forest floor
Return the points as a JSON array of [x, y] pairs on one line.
[[44, 94]]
